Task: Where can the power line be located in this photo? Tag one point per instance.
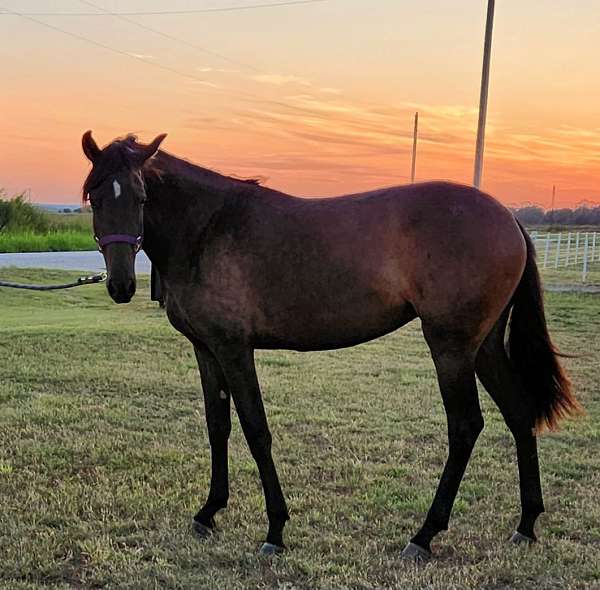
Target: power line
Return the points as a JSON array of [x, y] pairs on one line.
[[221, 56], [244, 94], [171, 37], [139, 58], [154, 63], [102, 45], [176, 12]]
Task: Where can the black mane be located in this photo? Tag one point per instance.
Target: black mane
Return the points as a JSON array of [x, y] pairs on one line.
[[117, 155]]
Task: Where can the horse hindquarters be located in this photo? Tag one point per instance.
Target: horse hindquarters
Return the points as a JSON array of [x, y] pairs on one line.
[[459, 298]]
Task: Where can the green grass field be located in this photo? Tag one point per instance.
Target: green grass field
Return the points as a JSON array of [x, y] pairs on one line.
[[60, 240], [104, 460], [65, 232], [571, 275]]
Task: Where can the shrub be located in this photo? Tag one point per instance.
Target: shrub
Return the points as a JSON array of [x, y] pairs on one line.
[[17, 214]]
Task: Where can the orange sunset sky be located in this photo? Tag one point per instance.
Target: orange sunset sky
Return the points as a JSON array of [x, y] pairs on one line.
[[316, 97]]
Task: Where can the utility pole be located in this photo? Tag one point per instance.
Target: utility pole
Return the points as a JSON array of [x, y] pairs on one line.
[[414, 152], [483, 98], [552, 208]]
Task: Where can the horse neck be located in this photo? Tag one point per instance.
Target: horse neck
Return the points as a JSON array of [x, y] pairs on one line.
[[175, 217]]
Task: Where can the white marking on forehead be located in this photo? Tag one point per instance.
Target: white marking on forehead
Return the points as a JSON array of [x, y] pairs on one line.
[[222, 395], [116, 188]]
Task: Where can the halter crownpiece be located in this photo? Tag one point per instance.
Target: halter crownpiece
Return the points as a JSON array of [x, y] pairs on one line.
[[135, 241]]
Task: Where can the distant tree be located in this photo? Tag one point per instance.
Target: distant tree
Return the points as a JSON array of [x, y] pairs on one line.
[[66, 210], [559, 217], [582, 215], [531, 215], [595, 216]]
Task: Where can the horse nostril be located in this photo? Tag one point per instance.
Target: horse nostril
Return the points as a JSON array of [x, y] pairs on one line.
[[121, 291]]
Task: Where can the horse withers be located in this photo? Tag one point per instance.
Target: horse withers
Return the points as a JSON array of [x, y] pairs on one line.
[[244, 267]]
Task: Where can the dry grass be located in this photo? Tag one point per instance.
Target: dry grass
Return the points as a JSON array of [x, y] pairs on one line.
[[104, 459]]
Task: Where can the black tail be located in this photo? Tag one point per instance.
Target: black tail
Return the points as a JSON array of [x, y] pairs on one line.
[[532, 352]]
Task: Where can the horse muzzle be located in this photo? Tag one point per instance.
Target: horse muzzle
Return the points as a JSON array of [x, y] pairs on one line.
[[121, 291]]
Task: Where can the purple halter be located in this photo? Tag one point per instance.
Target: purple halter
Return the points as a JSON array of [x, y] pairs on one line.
[[136, 242]]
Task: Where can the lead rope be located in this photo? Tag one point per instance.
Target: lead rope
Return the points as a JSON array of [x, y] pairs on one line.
[[91, 280]]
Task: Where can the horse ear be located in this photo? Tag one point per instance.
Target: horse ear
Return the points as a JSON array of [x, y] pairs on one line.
[[147, 151], [90, 147]]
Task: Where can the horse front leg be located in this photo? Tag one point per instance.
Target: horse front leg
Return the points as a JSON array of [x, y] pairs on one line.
[[240, 373], [218, 421]]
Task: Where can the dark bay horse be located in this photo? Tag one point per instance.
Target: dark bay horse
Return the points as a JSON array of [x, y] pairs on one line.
[[245, 267]]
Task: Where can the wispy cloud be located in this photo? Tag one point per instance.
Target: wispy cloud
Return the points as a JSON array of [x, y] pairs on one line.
[[340, 144], [141, 55], [205, 83], [280, 79], [207, 70]]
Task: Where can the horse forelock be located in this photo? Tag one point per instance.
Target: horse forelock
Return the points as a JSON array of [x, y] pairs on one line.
[[115, 156]]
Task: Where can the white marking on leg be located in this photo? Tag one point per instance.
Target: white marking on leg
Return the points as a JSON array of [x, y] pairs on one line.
[[116, 188]]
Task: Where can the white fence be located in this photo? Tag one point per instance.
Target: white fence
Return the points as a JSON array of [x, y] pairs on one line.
[[572, 249]]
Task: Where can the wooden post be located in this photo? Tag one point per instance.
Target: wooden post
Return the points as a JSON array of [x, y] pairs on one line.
[[556, 262], [483, 97], [414, 150], [568, 249]]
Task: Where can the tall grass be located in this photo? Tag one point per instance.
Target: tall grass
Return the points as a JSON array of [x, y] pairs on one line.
[[18, 214], [72, 221], [51, 241], [25, 228]]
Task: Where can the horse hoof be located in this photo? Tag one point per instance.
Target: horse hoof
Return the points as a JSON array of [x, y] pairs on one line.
[[415, 553], [201, 530], [521, 539], [269, 549]]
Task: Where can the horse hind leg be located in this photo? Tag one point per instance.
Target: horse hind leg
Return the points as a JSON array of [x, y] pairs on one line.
[[455, 366], [502, 382]]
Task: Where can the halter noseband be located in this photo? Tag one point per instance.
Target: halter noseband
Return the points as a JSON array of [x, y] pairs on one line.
[[135, 241]]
